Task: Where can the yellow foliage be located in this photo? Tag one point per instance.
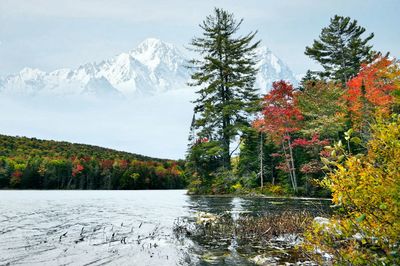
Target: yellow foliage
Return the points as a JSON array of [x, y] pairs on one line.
[[367, 190], [276, 190], [237, 186]]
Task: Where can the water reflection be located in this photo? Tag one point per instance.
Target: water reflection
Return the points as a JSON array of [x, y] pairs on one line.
[[256, 206], [223, 245]]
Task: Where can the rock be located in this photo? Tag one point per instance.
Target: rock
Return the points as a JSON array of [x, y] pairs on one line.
[[321, 220], [358, 236], [264, 260], [206, 218]]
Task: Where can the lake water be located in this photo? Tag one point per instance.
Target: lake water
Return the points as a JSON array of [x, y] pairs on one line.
[[118, 227]]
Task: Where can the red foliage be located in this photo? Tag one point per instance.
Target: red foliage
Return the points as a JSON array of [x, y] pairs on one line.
[[123, 164], [17, 174], [78, 168], [201, 140], [107, 164], [325, 153], [280, 114], [16, 178], [370, 87], [311, 167], [314, 141], [300, 142]]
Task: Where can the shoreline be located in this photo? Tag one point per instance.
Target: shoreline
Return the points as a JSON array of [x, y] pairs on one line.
[[257, 196]]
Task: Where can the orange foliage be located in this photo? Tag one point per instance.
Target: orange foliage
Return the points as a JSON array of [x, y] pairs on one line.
[[370, 89]]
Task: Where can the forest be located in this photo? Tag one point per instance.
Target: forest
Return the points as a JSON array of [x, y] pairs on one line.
[[30, 163], [278, 143], [336, 134]]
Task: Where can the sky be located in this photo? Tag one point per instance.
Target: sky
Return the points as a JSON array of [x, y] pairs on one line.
[[53, 34]]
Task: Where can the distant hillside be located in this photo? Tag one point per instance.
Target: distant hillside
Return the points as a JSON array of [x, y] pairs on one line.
[[23, 146], [30, 163]]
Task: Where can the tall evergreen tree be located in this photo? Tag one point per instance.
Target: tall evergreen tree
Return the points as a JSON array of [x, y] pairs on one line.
[[341, 49], [225, 74]]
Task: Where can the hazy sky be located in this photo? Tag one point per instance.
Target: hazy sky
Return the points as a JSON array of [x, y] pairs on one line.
[[54, 34]]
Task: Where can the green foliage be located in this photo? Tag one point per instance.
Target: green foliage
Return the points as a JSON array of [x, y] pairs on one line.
[[40, 164], [249, 158], [225, 74], [341, 50], [322, 105], [15, 146], [310, 77]]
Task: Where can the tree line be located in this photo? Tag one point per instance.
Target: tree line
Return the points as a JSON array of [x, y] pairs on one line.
[[30, 163], [241, 141]]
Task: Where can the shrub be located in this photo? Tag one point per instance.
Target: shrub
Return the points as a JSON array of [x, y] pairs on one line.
[[366, 188]]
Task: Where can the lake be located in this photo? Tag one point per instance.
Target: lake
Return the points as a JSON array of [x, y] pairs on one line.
[[123, 227]]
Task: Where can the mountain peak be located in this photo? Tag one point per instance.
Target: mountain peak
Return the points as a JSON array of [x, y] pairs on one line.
[[153, 52], [152, 44], [31, 73], [153, 67], [151, 41], [271, 68], [262, 50]]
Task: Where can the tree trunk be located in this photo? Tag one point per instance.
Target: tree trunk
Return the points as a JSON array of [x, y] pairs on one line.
[[261, 161], [226, 156], [287, 163], [293, 168], [290, 163]]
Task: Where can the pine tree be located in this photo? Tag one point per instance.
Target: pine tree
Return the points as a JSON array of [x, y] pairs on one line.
[[226, 75], [341, 49], [310, 76], [255, 158]]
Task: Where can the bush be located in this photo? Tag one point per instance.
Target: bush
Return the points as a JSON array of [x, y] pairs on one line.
[[366, 188], [275, 190]]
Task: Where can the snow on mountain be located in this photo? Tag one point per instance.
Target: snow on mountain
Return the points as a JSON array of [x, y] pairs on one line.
[[270, 69], [152, 68], [100, 87]]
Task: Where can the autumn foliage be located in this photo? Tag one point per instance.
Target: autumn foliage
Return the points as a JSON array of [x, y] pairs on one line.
[[282, 119], [366, 189], [37, 164], [365, 183], [280, 115], [370, 92]]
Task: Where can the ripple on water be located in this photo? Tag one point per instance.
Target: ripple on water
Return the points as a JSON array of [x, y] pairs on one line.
[[114, 227]]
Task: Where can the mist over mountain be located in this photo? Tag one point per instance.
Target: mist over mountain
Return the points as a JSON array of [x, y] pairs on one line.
[[137, 101]]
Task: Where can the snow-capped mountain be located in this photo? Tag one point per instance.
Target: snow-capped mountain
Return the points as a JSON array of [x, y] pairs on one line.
[[270, 69], [152, 68]]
